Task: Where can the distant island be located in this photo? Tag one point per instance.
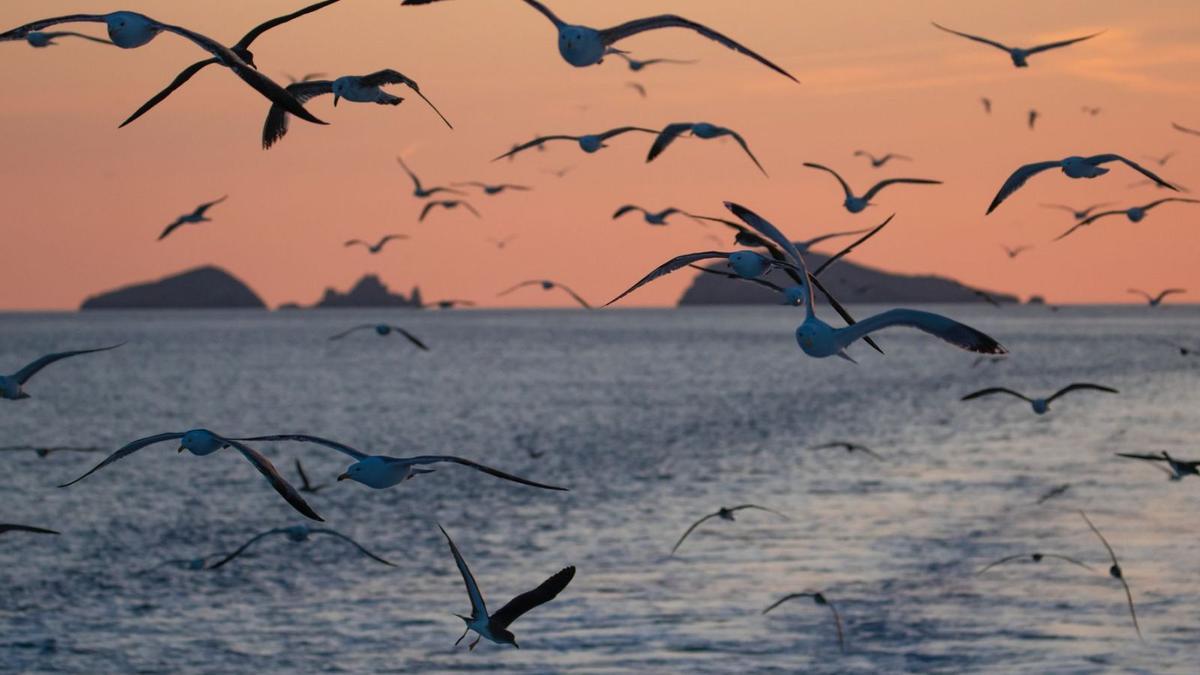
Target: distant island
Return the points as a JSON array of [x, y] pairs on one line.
[[368, 292], [849, 283], [201, 288]]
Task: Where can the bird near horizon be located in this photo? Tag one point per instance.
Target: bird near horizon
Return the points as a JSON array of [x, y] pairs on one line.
[[419, 191], [494, 627], [1040, 405], [658, 218], [1077, 213], [855, 204], [1135, 214], [821, 600], [878, 162], [1090, 110], [197, 216], [1015, 251], [12, 387], [1116, 572], [848, 447], [298, 534], [1035, 557], [383, 330], [1073, 167], [1156, 300], [547, 285], [451, 304], [636, 66], [724, 513], [1019, 55], [448, 205], [589, 143], [492, 190], [307, 77], [375, 248], [701, 130], [1160, 160], [1178, 468]]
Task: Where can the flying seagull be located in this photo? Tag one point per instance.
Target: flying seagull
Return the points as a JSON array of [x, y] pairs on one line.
[[202, 442], [495, 627], [855, 204], [1074, 167], [297, 534], [878, 162], [383, 330], [746, 237], [1179, 127], [495, 189], [1032, 119], [702, 130], [1116, 573], [583, 46], [651, 218], [305, 485], [39, 39], [820, 340], [636, 65], [1090, 110], [1156, 300], [129, 30], [819, 599], [1040, 405], [848, 447], [449, 205], [9, 527], [1019, 55], [547, 285], [588, 143], [12, 387], [419, 191], [1056, 491], [638, 87], [1077, 213], [1015, 251], [1161, 161], [376, 247], [308, 77], [356, 88], [197, 216], [380, 471], [986, 297], [451, 304], [987, 104], [1184, 350], [501, 243], [241, 48], [1035, 557], [559, 173], [724, 513], [1178, 468], [1135, 214]]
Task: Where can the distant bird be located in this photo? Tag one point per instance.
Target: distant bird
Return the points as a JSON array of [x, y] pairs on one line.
[[1135, 214], [202, 442], [380, 471], [12, 387], [9, 527], [747, 237], [308, 77], [588, 143], [502, 243], [583, 46], [1089, 110], [377, 246], [419, 191], [1040, 405], [355, 88], [1019, 55], [855, 204], [1078, 214], [449, 205], [43, 451], [495, 189], [878, 162], [1156, 300], [241, 48], [651, 218], [560, 173], [1179, 127], [819, 599], [724, 513], [1035, 557], [848, 447], [1179, 469], [305, 485], [1073, 167], [990, 360], [702, 130], [547, 285], [495, 626], [383, 330], [1116, 572], [451, 304], [987, 297], [1184, 350], [298, 534], [638, 87], [197, 216], [746, 264], [1015, 251], [636, 65], [987, 104], [39, 39], [1146, 182], [1161, 161], [1056, 491], [1032, 119]]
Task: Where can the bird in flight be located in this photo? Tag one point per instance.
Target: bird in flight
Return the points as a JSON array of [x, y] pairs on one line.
[[724, 513], [1178, 468], [1156, 300], [377, 246], [501, 243], [878, 162], [1135, 214], [383, 330], [1040, 405], [495, 189], [636, 65], [638, 87], [1090, 110], [588, 143], [1015, 251], [987, 104], [451, 304], [1180, 127], [848, 447], [12, 387], [1161, 161], [1078, 214], [702, 130], [651, 218], [1056, 491], [855, 204], [1073, 167], [449, 205], [1032, 119], [1035, 557], [298, 534], [305, 485], [10, 527], [1116, 572], [419, 191], [818, 599], [547, 285], [197, 216], [1019, 55], [39, 39]]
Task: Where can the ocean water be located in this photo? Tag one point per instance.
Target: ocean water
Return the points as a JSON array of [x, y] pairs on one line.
[[653, 419]]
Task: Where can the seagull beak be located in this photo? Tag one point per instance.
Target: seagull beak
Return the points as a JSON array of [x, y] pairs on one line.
[[336, 98], [343, 477]]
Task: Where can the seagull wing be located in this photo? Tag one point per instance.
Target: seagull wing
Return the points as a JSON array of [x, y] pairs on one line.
[[20, 32], [390, 76], [1134, 455], [23, 375], [1140, 292], [690, 529], [536, 142], [470, 208], [1002, 561], [730, 275], [892, 181], [1177, 127], [125, 452], [180, 79], [1132, 612], [523, 284], [1088, 221], [575, 296], [1068, 559], [626, 209], [344, 333], [8, 527], [547, 591], [276, 126], [241, 549], [945, 328], [790, 596], [756, 507], [624, 130], [411, 338], [1061, 43], [179, 222], [1081, 386], [1104, 541], [1169, 291], [265, 26], [837, 622], [416, 181], [742, 142], [994, 390], [303, 476], [1061, 207], [672, 265], [1169, 199], [434, 459], [846, 251], [356, 242], [976, 38], [1018, 178], [1096, 160], [532, 3], [277, 481], [429, 207], [845, 188], [478, 608], [305, 438], [203, 208], [356, 545], [666, 137], [832, 235]]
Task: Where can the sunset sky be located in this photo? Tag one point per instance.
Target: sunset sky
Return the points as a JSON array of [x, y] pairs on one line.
[[84, 201]]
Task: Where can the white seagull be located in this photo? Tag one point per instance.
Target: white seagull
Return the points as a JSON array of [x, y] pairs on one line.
[[878, 162], [39, 39], [636, 66], [449, 205], [651, 218], [383, 330], [1156, 300], [1019, 55], [819, 599], [547, 285], [1074, 167], [419, 191], [1040, 405], [197, 216], [724, 513], [855, 204], [1135, 214], [588, 143], [298, 534], [377, 246], [12, 387], [702, 130]]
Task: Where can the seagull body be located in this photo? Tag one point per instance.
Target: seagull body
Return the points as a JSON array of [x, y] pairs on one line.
[[12, 387], [376, 247], [1078, 214], [1156, 300], [492, 190], [659, 218], [855, 204], [1135, 214], [418, 190], [636, 65], [298, 534], [588, 143], [1019, 55], [818, 599], [197, 216], [1074, 167], [878, 162], [201, 442], [848, 447], [1015, 251], [724, 513], [449, 205], [1179, 469], [547, 285], [1032, 119], [1116, 572], [1034, 557], [1040, 405], [39, 39], [384, 330], [702, 130], [10, 527]]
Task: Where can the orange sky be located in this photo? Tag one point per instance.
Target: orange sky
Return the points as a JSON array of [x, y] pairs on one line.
[[84, 201]]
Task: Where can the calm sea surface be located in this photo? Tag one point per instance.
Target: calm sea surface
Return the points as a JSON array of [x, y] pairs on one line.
[[653, 419]]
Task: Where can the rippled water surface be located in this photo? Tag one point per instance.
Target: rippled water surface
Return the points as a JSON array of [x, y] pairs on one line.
[[652, 418]]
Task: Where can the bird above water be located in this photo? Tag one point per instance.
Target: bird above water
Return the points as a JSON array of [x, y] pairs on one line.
[[1178, 468], [635, 65], [724, 513], [1156, 300], [1135, 214], [383, 330], [1077, 213], [848, 447], [1040, 405], [1116, 572], [855, 204], [818, 599], [418, 190], [298, 534], [651, 218], [12, 387], [305, 485], [448, 205], [878, 162], [1073, 167], [496, 189], [1036, 558], [197, 216], [547, 285], [1019, 55], [1015, 251], [10, 527]]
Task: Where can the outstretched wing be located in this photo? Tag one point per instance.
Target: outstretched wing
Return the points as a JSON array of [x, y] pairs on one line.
[[1088, 221], [1062, 43], [789, 596], [265, 26], [180, 79], [523, 284], [536, 142], [241, 549], [1177, 127], [203, 208], [993, 390], [1138, 291], [672, 265], [626, 209], [892, 181], [277, 481], [756, 507], [1104, 159], [730, 275], [411, 338], [742, 142], [1078, 386], [304, 483], [958, 334], [832, 235], [846, 251], [1169, 291], [434, 459], [125, 452], [478, 608], [624, 130], [9, 527], [547, 591], [1169, 199], [845, 188], [23, 375], [20, 32], [356, 545], [344, 333], [305, 438], [575, 296], [389, 76], [1018, 178], [690, 529], [276, 126], [666, 137], [976, 38]]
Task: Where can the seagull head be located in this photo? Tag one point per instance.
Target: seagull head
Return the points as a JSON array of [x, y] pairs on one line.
[[580, 46], [129, 30], [505, 636], [374, 472], [340, 86], [383, 329]]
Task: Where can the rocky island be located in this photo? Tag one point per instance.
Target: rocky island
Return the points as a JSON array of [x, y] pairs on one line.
[[201, 288]]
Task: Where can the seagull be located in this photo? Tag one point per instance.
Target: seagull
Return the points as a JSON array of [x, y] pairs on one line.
[[1135, 214], [197, 216], [1032, 120], [1146, 182], [1040, 405], [659, 218], [495, 189], [1056, 491], [1019, 55], [297, 534], [1014, 252], [12, 387], [306, 486], [449, 205], [583, 46], [1037, 558], [820, 340], [636, 65], [987, 104], [1078, 214], [202, 442], [1155, 301], [745, 264], [129, 30], [1074, 167], [43, 451], [1116, 573], [547, 285], [724, 513], [451, 304], [987, 298], [501, 243], [878, 162], [638, 87], [855, 204], [9, 527], [383, 330], [241, 48], [376, 247], [1178, 468], [1161, 161], [746, 237], [588, 143], [39, 39], [292, 79], [380, 471], [356, 88], [820, 599], [848, 447], [1184, 350], [560, 173], [702, 130], [1180, 127], [1090, 110], [419, 191], [495, 626]]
